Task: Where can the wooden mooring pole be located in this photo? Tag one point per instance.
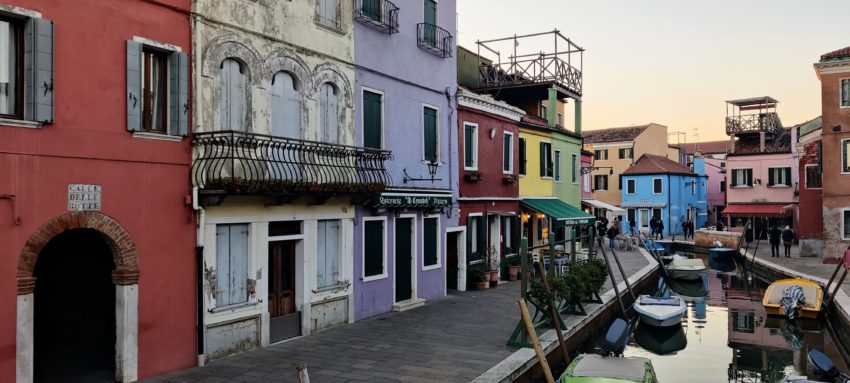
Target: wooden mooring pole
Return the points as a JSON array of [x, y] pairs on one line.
[[529, 326], [553, 312]]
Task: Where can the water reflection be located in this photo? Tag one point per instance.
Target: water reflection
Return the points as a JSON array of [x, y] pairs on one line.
[[726, 335]]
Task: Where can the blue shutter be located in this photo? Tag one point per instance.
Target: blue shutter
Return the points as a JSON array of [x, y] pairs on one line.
[[134, 86], [38, 64], [178, 113]]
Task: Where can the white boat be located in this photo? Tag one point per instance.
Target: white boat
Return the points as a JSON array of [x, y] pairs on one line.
[[690, 269], [660, 311], [669, 258]]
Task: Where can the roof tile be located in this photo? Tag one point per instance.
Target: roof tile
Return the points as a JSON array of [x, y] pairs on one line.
[[836, 54], [708, 147], [652, 164], [613, 134], [750, 145]]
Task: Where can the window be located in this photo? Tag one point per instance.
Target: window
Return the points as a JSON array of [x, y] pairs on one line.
[[626, 153], [327, 13], [813, 177], [540, 228], [470, 146], [574, 169], [158, 89], [373, 119], [780, 177], [329, 109], [845, 158], [600, 182], [281, 228], [630, 186], [585, 181], [431, 243], [327, 253], [430, 20], [845, 92], [231, 264], [233, 91], [657, 186], [522, 156], [557, 166], [656, 212], [371, 9], [476, 238], [723, 165], [630, 214], [508, 153], [723, 185], [742, 178], [601, 154], [429, 125], [285, 106], [544, 112], [374, 248], [546, 159], [26, 69], [845, 224]]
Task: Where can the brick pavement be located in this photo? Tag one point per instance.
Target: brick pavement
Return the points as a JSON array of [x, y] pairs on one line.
[[454, 339]]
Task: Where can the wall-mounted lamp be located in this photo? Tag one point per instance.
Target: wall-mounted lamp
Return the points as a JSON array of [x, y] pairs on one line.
[[492, 133], [588, 169]]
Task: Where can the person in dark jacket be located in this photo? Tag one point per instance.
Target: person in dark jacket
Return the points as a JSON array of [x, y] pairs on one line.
[[719, 225], [787, 239], [773, 234], [652, 226], [613, 231], [685, 228], [632, 226], [659, 228]]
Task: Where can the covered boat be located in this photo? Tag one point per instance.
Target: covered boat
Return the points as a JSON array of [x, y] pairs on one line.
[[592, 368], [809, 306], [660, 311], [661, 340], [688, 269], [669, 258]]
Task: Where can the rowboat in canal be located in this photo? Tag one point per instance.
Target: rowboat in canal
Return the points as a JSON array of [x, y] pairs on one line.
[[688, 269], [592, 368], [808, 307], [660, 311]]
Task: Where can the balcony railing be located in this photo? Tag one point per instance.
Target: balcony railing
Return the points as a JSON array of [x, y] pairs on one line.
[[753, 123], [381, 15], [434, 40], [544, 68], [234, 162]]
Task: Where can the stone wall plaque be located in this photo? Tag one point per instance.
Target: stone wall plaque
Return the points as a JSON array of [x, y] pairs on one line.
[[82, 197]]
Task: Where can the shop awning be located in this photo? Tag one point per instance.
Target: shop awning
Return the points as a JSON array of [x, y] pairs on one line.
[[761, 210], [602, 205], [559, 210]]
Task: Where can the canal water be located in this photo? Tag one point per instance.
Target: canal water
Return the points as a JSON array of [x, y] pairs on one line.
[[726, 336]]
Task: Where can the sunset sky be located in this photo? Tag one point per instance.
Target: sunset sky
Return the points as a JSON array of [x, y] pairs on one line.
[[675, 62]]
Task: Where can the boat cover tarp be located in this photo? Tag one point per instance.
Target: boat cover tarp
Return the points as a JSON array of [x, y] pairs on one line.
[[792, 297], [659, 301], [632, 369]]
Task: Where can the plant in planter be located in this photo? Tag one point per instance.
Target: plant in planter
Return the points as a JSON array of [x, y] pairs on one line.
[[510, 179], [513, 267], [476, 278], [493, 266], [472, 176]]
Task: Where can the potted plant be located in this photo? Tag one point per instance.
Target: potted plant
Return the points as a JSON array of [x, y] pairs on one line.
[[476, 278], [513, 267], [510, 179], [493, 266], [472, 176]]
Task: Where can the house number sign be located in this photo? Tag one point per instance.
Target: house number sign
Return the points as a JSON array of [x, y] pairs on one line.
[[83, 197]]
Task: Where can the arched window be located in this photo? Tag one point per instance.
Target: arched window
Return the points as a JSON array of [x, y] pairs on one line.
[[233, 86], [286, 106], [329, 119]]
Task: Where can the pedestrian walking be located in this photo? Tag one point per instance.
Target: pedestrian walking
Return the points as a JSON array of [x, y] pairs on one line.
[[652, 226], [787, 239], [613, 231], [659, 228], [691, 228], [774, 234], [719, 226], [632, 226], [685, 228]]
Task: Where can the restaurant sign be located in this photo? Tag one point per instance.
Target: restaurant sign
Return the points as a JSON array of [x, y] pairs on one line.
[[82, 197], [411, 201]]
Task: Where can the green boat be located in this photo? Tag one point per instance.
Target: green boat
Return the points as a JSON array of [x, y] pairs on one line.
[[592, 368]]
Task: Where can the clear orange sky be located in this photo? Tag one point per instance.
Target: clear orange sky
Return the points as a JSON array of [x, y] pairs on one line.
[[675, 62]]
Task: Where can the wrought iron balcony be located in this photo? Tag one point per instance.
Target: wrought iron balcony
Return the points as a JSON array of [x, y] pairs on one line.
[[381, 15], [434, 40], [231, 162], [753, 123]]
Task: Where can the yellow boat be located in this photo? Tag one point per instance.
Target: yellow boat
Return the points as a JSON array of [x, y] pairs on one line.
[[812, 291]]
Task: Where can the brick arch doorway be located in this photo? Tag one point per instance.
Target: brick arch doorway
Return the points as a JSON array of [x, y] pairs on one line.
[[124, 277]]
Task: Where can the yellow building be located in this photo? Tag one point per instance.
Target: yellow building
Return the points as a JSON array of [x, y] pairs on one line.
[[615, 149]]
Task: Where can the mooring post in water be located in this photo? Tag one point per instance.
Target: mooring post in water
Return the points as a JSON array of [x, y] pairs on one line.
[[613, 281], [553, 312], [526, 318], [523, 261], [302, 372]]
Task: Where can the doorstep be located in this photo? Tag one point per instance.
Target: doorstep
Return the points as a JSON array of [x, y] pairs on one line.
[[409, 304]]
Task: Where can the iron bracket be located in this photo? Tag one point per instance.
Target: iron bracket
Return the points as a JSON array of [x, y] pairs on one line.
[[16, 219]]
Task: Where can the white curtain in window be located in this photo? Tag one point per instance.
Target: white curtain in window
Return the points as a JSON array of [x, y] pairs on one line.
[[155, 85], [327, 249]]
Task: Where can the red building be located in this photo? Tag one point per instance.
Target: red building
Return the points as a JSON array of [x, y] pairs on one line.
[[489, 183], [97, 229], [810, 219]]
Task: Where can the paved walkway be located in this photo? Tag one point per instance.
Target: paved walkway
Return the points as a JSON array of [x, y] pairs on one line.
[[807, 265], [448, 340]]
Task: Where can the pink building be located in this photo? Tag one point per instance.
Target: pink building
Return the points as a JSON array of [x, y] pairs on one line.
[[714, 153]]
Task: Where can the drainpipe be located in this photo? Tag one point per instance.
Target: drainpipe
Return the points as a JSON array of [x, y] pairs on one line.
[[669, 211], [452, 156], [551, 108], [578, 118], [199, 270]]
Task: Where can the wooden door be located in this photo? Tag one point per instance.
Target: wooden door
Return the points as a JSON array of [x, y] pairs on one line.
[[281, 278], [403, 259]]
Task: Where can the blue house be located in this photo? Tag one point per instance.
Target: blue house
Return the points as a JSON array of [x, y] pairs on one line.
[[657, 186]]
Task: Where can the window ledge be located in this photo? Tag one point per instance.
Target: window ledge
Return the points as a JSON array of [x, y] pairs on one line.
[[19, 123], [372, 278], [431, 267], [740, 187], [156, 136], [332, 28], [779, 186], [233, 307], [342, 286]]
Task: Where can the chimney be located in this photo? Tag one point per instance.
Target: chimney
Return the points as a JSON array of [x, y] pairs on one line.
[[761, 141], [731, 144]]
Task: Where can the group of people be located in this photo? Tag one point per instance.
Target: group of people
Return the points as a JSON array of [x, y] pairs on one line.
[[688, 228], [787, 237], [611, 231]]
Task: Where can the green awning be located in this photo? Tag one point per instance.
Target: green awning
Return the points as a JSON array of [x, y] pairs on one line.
[[559, 210]]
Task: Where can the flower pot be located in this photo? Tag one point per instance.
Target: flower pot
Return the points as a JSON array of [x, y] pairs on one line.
[[487, 275], [513, 272], [481, 285], [494, 276]]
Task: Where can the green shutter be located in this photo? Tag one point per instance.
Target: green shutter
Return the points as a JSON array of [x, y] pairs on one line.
[[771, 180], [468, 136], [372, 120], [430, 245], [430, 19], [429, 118], [543, 159], [372, 9], [522, 156], [373, 248]]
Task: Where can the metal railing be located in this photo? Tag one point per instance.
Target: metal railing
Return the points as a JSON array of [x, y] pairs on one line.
[[753, 123], [248, 163], [540, 69], [381, 15], [434, 40]]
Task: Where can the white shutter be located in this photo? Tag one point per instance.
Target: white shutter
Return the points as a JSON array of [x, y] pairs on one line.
[[330, 114], [327, 249], [238, 263], [134, 86], [276, 104], [332, 249], [234, 95], [285, 107], [224, 95], [222, 264], [321, 255]]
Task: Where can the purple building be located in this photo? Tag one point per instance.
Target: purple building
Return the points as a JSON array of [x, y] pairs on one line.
[[405, 90]]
